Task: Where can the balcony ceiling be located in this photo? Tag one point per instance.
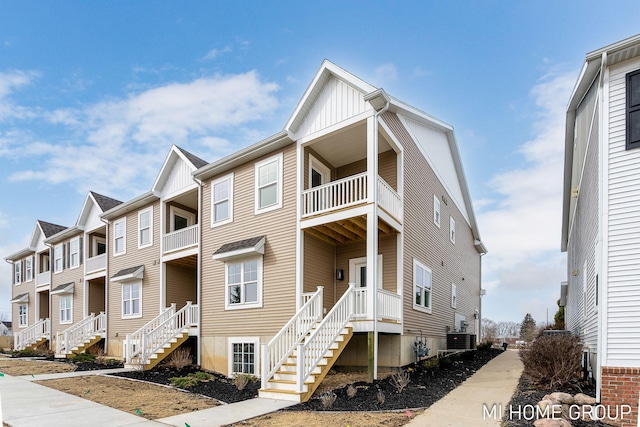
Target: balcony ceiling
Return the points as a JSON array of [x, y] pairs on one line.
[[190, 262], [347, 230], [347, 146]]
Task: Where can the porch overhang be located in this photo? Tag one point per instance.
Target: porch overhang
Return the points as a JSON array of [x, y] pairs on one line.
[[131, 273], [347, 230], [21, 299], [67, 288], [240, 248]]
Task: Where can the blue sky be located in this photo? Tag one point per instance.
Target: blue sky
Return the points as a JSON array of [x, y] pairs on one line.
[[93, 94]]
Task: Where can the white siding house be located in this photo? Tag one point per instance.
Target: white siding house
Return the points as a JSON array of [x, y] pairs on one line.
[[601, 219]]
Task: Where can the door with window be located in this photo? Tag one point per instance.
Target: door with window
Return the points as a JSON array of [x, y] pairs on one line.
[[358, 276], [180, 218], [319, 175]]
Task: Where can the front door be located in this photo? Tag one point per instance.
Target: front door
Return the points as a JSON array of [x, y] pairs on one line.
[[358, 272]]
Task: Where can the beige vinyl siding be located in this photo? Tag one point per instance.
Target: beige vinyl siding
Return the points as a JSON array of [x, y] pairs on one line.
[[149, 257], [73, 275], [387, 168], [279, 261], [457, 263], [181, 285], [319, 268], [96, 295], [310, 151]]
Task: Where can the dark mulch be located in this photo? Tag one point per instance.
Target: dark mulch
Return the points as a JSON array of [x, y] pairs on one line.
[[519, 412], [426, 386], [94, 366], [220, 387]]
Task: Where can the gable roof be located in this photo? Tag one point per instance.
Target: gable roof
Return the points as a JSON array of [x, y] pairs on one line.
[[49, 229], [104, 203], [195, 160], [175, 154]]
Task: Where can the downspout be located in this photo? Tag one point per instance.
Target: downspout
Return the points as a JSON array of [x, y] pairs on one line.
[[51, 261], [106, 284], [198, 274], [374, 286]]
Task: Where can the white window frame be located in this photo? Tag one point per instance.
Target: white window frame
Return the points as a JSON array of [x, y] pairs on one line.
[[420, 307], [279, 184], [95, 241], [436, 211], [217, 222], [131, 284], [454, 295], [28, 269], [122, 220], [66, 319], [173, 211], [452, 230], [23, 318], [149, 211], [321, 168], [256, 354], [58, 255], [17, 273], [76, 264], [242, 304]]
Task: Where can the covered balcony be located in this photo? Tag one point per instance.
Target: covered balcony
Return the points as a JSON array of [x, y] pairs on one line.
[[181, 234]]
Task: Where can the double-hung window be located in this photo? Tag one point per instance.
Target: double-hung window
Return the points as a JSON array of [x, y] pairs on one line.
[[422, 286], [222, 201], [74, 252], [436, 211], [66, 304], [452, 230], [119, 236], [132, 299], [145, 227], [58, 254], [28, 269], [244, 283], [17, 272], [268, 176], [22, 315], [633, 109]]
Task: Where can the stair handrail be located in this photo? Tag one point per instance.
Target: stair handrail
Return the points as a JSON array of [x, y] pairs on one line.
[[40, 329], [313, 349], [78, 333], [131, 349], [284, 343], [156, 338]]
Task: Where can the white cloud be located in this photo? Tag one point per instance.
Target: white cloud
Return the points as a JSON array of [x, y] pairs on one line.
[[10, 82], [214, 53], [386, 73]]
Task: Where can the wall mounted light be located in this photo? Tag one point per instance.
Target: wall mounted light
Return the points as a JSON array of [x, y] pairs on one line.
[[339, 274]]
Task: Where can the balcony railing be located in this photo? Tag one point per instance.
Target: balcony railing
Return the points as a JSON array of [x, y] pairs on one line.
[[389, 304], [181, 239], [43, 279], [96, 263], [348, 192]]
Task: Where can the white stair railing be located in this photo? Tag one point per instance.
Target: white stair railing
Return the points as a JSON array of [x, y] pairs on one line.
[[313, 349], [27, 337], [154, 338], [285, 342], [77, 334], [132, 342]]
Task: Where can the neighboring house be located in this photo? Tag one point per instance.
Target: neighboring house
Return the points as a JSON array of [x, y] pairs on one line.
[[601, 227], [5, 328], [351, 229]]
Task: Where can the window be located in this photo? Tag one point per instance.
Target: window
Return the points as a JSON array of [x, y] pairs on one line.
[[145, 228], [422, 286], [28, 269], [17, 272], [119, 236], [633, 109], [22, 315], [452, 230], [454, 296], [436, 211], [44, 263], [222, 201], [243, 355], [58, 254], [244, 287], [268, 176], [180, 218], [132, 299], [66, 303], [74, 252], [98, 246]]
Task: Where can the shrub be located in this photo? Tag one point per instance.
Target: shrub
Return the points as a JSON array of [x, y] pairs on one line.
[[201, 376], [83, 357], [484, 346], [241, 381], [180, 358], [183, 382], [431, 365], [351, 391], [380, 397], [328, 399], [553, 360], [400, 380]]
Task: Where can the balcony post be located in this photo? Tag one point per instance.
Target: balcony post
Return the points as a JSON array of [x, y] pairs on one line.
[[372, 239]]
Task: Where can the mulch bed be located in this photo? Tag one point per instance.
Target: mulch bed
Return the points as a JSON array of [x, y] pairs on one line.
[[426, 386]]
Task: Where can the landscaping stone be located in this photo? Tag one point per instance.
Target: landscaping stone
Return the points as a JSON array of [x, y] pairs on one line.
[[547, 422], [564, 398], [583, 399]]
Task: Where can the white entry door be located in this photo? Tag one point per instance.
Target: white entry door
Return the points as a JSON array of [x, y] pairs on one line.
[[358, 272]]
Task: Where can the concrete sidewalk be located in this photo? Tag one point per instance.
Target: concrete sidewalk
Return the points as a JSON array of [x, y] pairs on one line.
[[493, 384]]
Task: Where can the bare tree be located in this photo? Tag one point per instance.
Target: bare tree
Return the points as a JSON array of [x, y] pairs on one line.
[[488, 330]]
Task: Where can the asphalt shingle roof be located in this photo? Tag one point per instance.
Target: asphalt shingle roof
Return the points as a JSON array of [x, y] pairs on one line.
[[197, 161], [105, 202], [240, 244], [50, 229]]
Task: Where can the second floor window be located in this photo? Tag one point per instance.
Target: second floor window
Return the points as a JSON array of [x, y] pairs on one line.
[[119, 237], [58, 253], [28, 269], [452, 230], [633, 109], [436, 211], [422, 286], [17, 272], [269, 184], [222, 201], [74, 252], [145, 228]]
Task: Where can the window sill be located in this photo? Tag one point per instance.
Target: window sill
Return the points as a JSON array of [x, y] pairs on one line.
[[243, 306], [422, 309], [132, 316], [221, 222]]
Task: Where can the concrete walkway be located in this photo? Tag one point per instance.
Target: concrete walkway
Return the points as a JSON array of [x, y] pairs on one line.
[[472, 402], [26, 404]]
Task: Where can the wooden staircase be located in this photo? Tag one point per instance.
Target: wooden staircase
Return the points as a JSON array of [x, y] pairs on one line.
[[159, 355], [80, 348], [79, 337], [283, 385], [37, 343], [33, 336]]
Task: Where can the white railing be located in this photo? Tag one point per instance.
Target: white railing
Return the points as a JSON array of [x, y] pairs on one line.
[[77, 334], [43, 278], [181, 239], [285, 342], [165, 328], [389, 305], [359, 302], [335, 194], [389, 199], [96, 263], [313, 349], [27, 337]]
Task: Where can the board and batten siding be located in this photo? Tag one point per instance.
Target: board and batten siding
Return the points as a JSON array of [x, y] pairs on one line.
[[457, 263], [279, 261], [581, 311], [149, 257], [623, 233]]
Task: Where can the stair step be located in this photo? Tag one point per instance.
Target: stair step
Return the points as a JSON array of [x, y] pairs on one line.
[[286, 385], [288, 395]]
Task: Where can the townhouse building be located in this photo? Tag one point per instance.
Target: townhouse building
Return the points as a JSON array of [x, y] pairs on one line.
[[336, 241]]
